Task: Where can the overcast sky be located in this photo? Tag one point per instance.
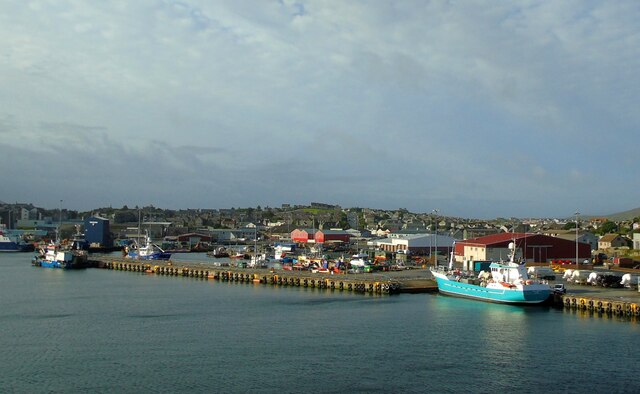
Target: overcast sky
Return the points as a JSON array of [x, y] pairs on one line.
[[475, 108]]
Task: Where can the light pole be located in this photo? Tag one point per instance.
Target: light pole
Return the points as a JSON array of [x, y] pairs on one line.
[[435, 239], [431, 231], [577, 213], [59, 235]]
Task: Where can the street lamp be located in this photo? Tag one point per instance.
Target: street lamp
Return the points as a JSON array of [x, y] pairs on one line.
[[431, 232], [435, 241], [59, 232], [577, 213]]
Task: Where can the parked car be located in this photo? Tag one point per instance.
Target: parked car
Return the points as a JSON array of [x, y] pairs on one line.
[[559, 288]]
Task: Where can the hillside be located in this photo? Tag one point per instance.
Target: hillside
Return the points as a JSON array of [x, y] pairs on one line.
[[626, 215]]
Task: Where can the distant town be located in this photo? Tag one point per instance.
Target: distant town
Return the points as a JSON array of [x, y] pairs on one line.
[[604, 235]]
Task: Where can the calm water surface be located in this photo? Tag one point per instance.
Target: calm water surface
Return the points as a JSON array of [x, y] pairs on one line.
[[107, 331]]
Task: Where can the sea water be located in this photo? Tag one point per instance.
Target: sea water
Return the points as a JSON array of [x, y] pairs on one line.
[[96, 330]]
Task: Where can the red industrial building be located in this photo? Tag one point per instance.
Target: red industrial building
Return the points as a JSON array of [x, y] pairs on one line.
[[194, 238], [303, 235], [323, 236], [536, 248]]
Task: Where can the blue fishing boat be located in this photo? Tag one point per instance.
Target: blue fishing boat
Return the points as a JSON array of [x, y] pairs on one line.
[[505, 283], [55, 256], [12, 242], [149, 251]]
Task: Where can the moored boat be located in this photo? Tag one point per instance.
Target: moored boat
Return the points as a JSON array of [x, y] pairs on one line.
[[54, 256], [149, 251], [10, 242], [505, 283], [218, 252], [359, 260]]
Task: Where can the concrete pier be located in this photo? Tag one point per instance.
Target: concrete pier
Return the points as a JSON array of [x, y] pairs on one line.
[[376, 283], [595, 301], [599, 305]]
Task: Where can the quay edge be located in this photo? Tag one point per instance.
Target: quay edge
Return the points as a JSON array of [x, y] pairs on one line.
[[595, 304], [362, 283], [598, 305]]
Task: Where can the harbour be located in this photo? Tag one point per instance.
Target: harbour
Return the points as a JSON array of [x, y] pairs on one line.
[[120, 331], [319, 197], [598, 301], [130, 330]]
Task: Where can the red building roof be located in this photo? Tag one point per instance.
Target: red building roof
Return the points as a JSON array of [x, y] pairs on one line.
[[535, 246], [496, 239]]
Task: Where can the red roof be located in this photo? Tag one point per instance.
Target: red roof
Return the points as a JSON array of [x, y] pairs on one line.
[[494, 239], [535, 246]]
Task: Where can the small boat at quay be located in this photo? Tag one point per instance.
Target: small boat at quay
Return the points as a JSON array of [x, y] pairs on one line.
[[149, 251], [10, 242], [218, 252], [505, 283], [360, 260], [55, 256]]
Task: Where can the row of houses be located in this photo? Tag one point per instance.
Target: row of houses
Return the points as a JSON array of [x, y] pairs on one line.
[[529, 247]]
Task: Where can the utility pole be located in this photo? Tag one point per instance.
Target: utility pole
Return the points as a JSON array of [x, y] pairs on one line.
[[577, 225], [435, 240]]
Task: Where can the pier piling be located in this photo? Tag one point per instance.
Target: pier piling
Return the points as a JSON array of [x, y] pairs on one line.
[[359, 283]]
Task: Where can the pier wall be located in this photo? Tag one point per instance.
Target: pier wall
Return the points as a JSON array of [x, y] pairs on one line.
[[361, 284], [599, 306]]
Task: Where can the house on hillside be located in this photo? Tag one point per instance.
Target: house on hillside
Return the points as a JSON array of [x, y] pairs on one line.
[[570, 235], [612, 241], [476, 232]]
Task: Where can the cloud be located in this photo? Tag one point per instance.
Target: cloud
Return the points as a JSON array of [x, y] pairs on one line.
[[385, 104]]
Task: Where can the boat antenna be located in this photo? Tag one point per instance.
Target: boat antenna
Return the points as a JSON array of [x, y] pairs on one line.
[[138, 239], [255, 244], [451, 256], [59, 229], [512, 244]]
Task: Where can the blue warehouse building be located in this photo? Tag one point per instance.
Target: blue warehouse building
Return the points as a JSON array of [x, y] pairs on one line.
[[97, 232]]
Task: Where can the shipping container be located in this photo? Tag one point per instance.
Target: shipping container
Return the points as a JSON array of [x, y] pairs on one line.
[[623, 262]]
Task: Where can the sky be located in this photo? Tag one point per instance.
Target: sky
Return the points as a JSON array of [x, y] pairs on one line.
[[478, 109]]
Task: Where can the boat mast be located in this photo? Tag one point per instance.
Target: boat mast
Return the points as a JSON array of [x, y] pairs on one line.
[[138, 239], [59, 229], [451, 256], [255, 245], [512, 245]]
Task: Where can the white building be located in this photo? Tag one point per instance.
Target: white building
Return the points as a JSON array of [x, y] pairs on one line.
[[416, 244]]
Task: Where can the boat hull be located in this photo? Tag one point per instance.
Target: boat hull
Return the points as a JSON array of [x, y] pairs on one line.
[[534, 294], [152, 256], [15, 247], [49, 264], [59, 264]]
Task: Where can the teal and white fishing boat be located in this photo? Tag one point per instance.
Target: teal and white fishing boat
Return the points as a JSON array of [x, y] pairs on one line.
[[505, 283]]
